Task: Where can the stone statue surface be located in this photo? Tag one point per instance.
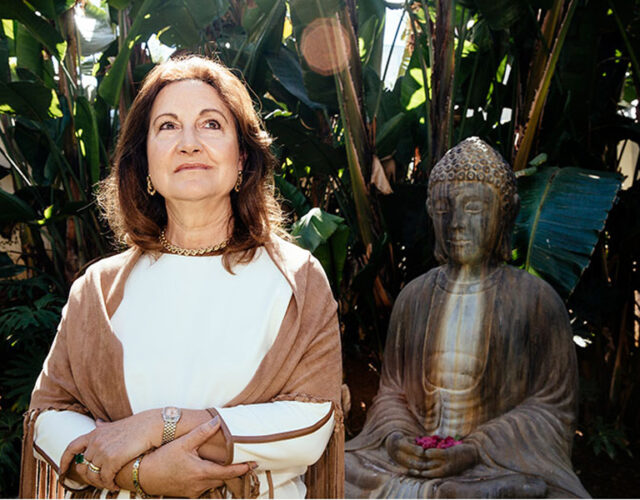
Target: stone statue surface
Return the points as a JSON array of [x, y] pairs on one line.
[[476, 349]]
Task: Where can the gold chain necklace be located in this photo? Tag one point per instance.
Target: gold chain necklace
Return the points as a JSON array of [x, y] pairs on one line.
[[191, 252]]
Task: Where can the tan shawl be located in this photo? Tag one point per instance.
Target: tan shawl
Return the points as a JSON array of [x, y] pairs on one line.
[[84, 369]]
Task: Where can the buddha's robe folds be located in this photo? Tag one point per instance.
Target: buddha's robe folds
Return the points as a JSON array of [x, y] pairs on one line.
[[492, 362]]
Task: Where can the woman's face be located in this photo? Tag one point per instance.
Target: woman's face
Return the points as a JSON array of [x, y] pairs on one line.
[[192, 144]]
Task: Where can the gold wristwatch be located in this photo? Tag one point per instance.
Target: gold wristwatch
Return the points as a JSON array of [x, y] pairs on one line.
[[170, 416]]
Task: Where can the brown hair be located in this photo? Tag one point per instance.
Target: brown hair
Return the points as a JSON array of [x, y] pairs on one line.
[[137, 218]]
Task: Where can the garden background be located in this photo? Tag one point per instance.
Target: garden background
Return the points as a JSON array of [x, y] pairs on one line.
[[552, 84]]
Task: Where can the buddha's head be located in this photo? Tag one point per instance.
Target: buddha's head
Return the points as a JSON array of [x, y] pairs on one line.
[[473, 203]]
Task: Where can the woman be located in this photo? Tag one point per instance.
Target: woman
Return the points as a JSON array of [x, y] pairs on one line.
[[208, 314]]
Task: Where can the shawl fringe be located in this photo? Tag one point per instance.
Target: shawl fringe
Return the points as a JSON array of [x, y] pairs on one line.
[[325, 478], [37, 478]]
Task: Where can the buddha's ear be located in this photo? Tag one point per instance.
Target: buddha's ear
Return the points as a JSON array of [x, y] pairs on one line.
[[428, 205], [516, 205]]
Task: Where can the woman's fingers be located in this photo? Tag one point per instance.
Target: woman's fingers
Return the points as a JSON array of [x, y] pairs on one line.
[[107, 479], [95, 475], [199, 435], [76, 446], [88, 477], [217, 471], [97, 479]]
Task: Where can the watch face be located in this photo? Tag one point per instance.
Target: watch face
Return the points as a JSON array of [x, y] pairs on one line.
[[171, 413]]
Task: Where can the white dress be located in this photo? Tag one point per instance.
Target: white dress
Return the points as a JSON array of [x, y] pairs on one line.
[[213, 329]]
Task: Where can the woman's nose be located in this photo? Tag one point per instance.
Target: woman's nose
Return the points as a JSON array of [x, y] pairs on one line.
[[189, 142]]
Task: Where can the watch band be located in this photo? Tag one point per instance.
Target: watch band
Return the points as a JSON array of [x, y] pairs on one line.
[[169, 432], [170, 416]]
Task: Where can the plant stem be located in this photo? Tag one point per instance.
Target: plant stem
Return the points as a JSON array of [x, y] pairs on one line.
[[541, 94]]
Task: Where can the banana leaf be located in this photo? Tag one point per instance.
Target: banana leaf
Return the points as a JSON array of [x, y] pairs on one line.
[[52, 8], [37, 25], [371, 21], [562, 213], [184, 20], [293, 196], [325, 235], [13, 209], [501, 14], [29, 99], [88, 136], [287, 71], [141, 29]]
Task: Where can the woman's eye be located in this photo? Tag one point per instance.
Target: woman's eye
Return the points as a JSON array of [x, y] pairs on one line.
[[167, 126], [212, 124], [473, 207]]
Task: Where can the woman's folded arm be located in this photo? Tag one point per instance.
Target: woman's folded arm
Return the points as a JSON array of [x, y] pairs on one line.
[[277, 435]]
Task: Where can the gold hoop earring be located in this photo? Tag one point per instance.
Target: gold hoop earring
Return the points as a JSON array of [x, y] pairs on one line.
[[150, 189], [238, 181]]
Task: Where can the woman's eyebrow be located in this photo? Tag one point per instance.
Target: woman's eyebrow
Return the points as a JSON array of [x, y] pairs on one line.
[[172, 115], [214, 110]]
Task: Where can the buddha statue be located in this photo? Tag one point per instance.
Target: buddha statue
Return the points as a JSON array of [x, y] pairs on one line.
[[477, 350]]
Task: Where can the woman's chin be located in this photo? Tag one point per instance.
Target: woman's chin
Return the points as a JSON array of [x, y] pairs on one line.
[[197, 194]]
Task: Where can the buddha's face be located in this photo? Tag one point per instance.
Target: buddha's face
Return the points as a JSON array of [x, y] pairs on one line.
[[466, 219]]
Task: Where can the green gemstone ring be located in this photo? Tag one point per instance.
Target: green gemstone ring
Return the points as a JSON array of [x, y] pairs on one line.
[[79, 458]]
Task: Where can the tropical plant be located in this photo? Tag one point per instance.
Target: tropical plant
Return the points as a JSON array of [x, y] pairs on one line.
[[541, 80]]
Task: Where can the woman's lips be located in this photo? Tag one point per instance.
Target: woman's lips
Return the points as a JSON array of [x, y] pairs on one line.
[[191, 166]]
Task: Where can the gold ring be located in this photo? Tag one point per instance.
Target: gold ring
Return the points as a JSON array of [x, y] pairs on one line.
[[93, 468]]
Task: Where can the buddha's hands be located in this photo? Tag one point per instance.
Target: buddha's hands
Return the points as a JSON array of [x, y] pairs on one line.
[[404, 451], [110, 446], [431, 463], [176, 470], [447, 462]]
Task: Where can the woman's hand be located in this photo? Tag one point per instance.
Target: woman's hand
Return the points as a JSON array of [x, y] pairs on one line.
[[176, 470], [110, 446]]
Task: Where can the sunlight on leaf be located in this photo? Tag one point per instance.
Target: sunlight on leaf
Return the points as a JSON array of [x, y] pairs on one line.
[[54, 108], [7, 26], [468, 48], [287, 29], [418, 97]]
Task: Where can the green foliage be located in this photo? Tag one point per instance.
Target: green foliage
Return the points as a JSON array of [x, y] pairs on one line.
[[37, 25], [326, 236], [10, 440], [609, 438], [28, 321], [58, 134], [562, 213]]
